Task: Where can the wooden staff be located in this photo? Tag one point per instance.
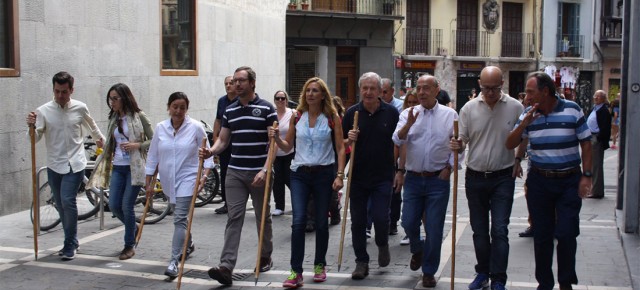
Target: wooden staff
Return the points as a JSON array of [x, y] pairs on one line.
[[346, 199], [455, 207], [190, 218], [265, 199], [146, 208], [34, 187]]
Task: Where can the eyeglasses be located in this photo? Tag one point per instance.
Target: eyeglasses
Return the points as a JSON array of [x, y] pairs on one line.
[[491, 90], [239, 80], [114, 99], [280, 98]]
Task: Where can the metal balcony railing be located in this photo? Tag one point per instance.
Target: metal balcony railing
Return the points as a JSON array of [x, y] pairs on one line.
[[368, 7], [470, 43], [423, 41], [611, 28], [570, 45], [516, 44]]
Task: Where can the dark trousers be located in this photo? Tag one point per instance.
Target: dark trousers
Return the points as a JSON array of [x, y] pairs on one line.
[[282, 177], [379, 194], [597, 164], [225, 157], [554, 206]]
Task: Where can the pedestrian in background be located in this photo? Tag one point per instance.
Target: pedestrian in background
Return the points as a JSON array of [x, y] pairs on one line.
[[615, 123], [599, 122], [282, 163], [121, 166], [174, 151], [60, 121], [224, 156], [316, 131]]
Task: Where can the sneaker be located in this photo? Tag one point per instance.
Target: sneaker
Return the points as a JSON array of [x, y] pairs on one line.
[[222, 210], [404, 241], [361, 271], [495, 285], [61, 251], [277, 212], [368, 234], [480, 282], [320, 274], [190, 249], [68, 253], [294, 280], [127, 253], [172, 269]]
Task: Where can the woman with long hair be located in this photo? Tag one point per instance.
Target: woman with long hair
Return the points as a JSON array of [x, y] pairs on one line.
[[121, 166], [174, 151], [316, 131], [282, 163]]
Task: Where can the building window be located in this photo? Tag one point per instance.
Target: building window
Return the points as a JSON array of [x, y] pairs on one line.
[[178, 44], [9, 45], [568, 40]]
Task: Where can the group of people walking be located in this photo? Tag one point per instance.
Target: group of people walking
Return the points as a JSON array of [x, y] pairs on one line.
[[405, 152]]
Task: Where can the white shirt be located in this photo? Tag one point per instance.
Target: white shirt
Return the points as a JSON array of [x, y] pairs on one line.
[[176, 157], [428, 138], [283, 126], [62, 129]]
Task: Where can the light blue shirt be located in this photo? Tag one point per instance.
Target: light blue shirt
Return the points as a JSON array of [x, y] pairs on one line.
[[313, 147], [397, 103], [592, 120]]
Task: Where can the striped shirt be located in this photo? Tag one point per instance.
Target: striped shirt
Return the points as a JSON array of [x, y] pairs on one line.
[[248, 126], [554, 139]]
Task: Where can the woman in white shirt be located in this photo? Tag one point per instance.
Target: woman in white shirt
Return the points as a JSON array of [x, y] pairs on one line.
[[122, 164], [174, 150], [316, 130], [282, 163]]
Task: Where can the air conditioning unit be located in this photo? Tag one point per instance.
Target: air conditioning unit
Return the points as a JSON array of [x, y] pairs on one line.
[[442, 51]]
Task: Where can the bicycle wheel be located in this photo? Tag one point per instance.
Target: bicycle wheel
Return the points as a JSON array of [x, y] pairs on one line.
[[93, 195], [49, 216], [210, 189], [85, 201], [158, 209]]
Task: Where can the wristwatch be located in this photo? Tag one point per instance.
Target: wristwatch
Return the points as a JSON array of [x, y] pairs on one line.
[[401, 170], [587, 174]]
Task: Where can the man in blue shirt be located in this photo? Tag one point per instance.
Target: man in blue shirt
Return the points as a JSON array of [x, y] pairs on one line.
[[225, 156], [556, 130]]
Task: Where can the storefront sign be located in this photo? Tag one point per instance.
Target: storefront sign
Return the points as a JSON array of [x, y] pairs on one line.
[[471, 65], [415, 64]]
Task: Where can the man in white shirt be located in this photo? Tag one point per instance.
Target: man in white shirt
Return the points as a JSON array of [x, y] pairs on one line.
[[425, 130], [60, 122]]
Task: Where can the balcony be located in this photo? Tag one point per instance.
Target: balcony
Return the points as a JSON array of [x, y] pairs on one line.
[[386, 8], [517, 44], [422, 41], [611, 29], [570, 45], [470, 43]]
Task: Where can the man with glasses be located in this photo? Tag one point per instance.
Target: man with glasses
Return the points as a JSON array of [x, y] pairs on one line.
[[387, 94], [225, 156], [485, 123], [60, 122], [244, 124]]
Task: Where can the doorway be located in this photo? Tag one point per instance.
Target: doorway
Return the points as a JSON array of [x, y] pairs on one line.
[[466, 81], [516, 83], [346, 77]]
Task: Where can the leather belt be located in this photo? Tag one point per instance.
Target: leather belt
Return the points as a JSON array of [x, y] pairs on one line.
[[556, 173], [424, 173], [314, 168], [490, 174]]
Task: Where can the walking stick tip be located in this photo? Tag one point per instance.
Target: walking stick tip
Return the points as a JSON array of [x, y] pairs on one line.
[[256, 282], [339, 268]]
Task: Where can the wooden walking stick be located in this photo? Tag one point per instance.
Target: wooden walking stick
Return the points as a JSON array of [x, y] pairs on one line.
[[190, 218], [34, 187], [265, 199], [346, 198], [146, 209], [455, 207]]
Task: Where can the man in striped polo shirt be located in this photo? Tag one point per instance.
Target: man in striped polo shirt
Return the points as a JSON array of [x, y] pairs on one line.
[[244, 125], [554, 128]]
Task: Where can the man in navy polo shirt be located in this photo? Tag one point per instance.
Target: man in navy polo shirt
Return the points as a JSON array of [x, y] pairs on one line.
[[373, 170], [556, 130], [225, 156], [244, 125]]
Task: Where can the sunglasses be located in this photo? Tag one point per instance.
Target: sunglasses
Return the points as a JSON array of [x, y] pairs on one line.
[[280, 98]]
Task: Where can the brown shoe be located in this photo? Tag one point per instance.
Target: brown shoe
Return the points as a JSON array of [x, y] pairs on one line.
[[428, 281], [361, 271], [384, 257], [265, 264], [416, 261], [127, 253], [221, 274]]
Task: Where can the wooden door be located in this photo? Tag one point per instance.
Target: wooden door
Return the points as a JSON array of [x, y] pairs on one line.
[[346, 75]]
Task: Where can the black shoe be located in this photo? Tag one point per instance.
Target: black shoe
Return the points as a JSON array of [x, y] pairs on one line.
[[566, 287], [222, 210], [416, 261], [310, 228], [265, 264], [527, 233], [428, 281], [384, 257], [221, 274], [393, 229], [361, 271], [335, 218]]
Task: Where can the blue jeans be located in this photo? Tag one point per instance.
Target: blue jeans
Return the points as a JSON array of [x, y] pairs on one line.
[[379, 196], [428, 196], [122, 198], [554, 206], [65, 188], [180, 212], [303, 184], [490, 197]]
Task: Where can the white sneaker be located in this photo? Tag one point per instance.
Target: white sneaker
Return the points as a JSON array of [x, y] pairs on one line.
[[404, 241], [277, 212]]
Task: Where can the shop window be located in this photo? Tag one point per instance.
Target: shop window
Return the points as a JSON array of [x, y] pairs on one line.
[[9, 45], [178, 44]]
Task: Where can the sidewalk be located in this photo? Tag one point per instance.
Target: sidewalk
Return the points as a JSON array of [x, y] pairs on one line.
[[603, 252]]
